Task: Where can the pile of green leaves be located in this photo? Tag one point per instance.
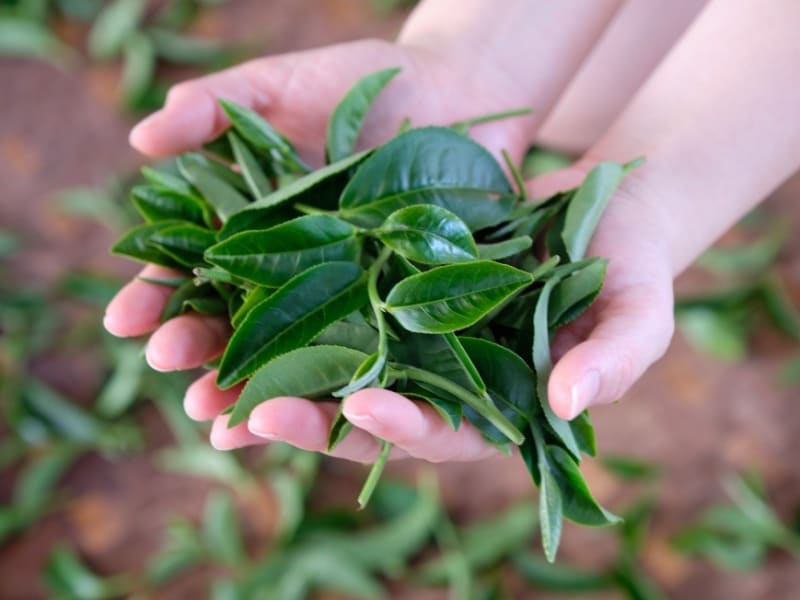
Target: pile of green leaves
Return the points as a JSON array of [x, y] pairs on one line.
[[408, 266], [141, 37]]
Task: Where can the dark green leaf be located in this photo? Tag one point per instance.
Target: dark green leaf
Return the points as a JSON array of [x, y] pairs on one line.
[[453, 297], [136, 244], [161, 204], [273, 256], [340, 427], [587, 205], [167, 180], [431, 165], [309, 372], [113, 27], [630, 468], [185, 243], [292, 316], [578, 503], [367, 372], [348, 116], [428, 234], [357, 335]]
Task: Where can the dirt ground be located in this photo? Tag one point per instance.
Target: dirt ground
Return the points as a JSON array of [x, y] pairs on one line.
[[697, 417]]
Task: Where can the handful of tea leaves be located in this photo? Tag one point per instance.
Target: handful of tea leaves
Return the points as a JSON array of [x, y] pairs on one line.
[[407, 266]]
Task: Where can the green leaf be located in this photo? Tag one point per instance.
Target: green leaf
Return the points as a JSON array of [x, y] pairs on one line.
[[113, 27], [62, 414], [216, 190], [273, 256], [432, 165], [35, 485], [348, 116], [340, 427], [551, 516], [167, 180], [161, 204], [251, 299], [293, 316], [260, 134], [630, 468], [453, 297], [449, 410], [357, 335], [510, 382], [577, 500], [323, 186], [428, 234], [587, 205], [185, 243], [504, 249], [253, 173], [309, 372], [367, 372], [575, 293], [779, 307], [122, 388], [221, 531], [176, 303], [136, 244], [544, 365]]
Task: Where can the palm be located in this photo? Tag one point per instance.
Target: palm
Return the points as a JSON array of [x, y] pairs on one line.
[[297, 93]]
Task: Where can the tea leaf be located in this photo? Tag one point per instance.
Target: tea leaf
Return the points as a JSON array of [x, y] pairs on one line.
[[113, 26], [23, 38], [252, 171], [292, 317], [715, 332], [428, 234], [185, 50], [160, 204], [136, 244], [66, 577], [578, 503], [260, 134], [559, 577], [167, 180], [587, 205], [575, 293], [218, 192], [185, 243], [551, 517], [543, 364], [122, 388], [308, 372], [453, 297], [327, 182], [348, 116], [273, 256], [139, 68], [504, 249], [432, 165]]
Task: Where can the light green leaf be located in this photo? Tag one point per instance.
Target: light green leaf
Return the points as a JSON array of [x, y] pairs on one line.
[[221, 531], [348, 116], [113, 27], [216, 191], [253, 173], [504, 249]]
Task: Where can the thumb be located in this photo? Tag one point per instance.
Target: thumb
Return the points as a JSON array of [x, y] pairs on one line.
[[634, 327]]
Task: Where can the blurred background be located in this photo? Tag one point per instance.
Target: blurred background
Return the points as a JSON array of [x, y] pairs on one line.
[[108, 491]]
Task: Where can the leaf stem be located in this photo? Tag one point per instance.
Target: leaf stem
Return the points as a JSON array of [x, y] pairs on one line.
[[506, 114], [489, 411], [374, 474]]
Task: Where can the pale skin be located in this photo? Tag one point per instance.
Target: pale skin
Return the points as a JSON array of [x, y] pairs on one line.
[[717, 119]]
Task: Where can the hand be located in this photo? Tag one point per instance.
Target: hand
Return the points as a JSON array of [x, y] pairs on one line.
[[297, 93]]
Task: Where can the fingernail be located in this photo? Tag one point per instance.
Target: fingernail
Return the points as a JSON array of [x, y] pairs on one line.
[[140, 127], [364, 421], [583, 392], [267, 435]]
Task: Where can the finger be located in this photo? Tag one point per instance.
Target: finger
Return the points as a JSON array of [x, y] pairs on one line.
[[137, 307], [191, 114], [416, 428], [633, 331], [186, 342], [551, 183], [223, 437], [204, 401], [305, 424]]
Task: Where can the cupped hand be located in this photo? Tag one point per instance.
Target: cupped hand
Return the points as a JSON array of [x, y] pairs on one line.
[[297, 93]]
